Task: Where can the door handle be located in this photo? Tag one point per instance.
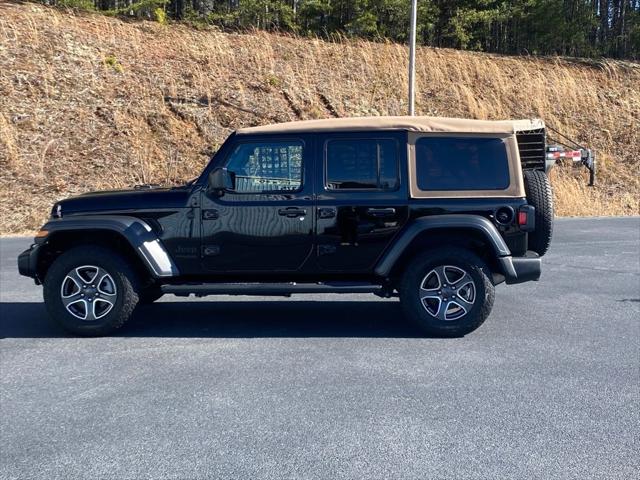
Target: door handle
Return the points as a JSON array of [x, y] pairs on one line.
[[292, 212], [381, 212]]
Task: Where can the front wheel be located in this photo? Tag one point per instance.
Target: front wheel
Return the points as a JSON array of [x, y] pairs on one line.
[[447, 292], [89, 291]]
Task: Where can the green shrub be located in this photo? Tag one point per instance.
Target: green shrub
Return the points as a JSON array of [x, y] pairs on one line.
[[76, 4], [113, 62], [160, 16]]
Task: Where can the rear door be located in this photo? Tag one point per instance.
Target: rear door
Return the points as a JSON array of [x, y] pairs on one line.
[[361, 198]]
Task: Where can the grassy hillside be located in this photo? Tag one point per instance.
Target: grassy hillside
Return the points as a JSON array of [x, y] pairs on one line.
[[91, 102]]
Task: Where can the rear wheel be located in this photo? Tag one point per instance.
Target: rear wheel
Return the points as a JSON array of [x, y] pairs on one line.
[[538, 190], [447, 292], [90, 291]]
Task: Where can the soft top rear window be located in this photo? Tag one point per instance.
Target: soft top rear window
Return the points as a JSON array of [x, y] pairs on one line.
[[461, 163]]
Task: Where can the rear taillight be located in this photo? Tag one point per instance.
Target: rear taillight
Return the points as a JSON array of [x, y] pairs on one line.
[[527, 218], [522, 218]]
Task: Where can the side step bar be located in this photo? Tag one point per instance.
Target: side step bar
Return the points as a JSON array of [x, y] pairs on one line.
[[278, 289]]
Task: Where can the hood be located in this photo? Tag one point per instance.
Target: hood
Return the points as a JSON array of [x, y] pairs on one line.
[[114, 201]]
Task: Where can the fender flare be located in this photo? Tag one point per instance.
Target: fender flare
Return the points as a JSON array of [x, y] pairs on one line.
[[136, 232], [419, 225]]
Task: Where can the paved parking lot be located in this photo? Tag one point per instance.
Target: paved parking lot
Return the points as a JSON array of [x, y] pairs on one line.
[[337, 386]]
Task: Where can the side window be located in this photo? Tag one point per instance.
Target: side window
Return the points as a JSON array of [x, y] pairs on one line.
[[461, 163], [267, 167], [361, 164]]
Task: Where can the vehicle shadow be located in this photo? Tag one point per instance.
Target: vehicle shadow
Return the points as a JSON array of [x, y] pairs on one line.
[[375, 319]]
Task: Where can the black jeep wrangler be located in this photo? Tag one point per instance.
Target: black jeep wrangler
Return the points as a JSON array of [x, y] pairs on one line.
[[436, 211]]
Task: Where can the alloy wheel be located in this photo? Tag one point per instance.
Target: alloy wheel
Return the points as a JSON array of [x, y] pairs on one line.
[[447, 292], [88, 292]]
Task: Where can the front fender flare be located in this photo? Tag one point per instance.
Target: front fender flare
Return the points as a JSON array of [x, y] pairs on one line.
[[137, 232], [416, 227]]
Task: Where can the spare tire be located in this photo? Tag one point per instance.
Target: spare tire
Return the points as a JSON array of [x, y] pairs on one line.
[[538, 190]]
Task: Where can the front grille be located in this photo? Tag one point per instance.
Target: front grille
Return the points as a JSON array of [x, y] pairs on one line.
[[531, 145]]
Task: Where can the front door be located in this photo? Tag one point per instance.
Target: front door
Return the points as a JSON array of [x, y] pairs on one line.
[[361, 199], [265, 222]]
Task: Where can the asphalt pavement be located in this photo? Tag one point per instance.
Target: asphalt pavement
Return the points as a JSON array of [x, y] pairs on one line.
[[332, 387]]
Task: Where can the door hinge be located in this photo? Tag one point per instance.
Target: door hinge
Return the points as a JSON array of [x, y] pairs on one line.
[[326, 212]]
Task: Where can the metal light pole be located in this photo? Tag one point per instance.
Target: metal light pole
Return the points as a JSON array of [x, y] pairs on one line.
[[412, 57]]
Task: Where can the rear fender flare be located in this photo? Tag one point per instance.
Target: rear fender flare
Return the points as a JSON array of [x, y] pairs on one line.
[[136, 232], [420, 225]]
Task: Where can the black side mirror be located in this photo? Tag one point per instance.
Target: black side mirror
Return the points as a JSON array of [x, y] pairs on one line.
[[220, 179]]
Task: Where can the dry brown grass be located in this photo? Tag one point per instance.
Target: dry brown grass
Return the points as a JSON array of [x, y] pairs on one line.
[[90, 102]]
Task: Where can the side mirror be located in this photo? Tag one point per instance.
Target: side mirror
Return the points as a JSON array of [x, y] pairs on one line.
[[220, 179]]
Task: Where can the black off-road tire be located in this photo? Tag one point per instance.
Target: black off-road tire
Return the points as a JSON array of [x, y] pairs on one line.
[[538, 190], [111, 262], [414, 276]]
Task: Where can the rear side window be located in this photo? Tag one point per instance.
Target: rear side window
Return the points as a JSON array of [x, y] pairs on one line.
[[366, 163], [461, 163]]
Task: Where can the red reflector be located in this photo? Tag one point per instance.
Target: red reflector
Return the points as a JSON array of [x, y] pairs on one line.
[[567, 154], [522, 218]]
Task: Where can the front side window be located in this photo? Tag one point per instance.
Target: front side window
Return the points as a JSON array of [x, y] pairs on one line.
[[461, 163], [267, 167], [362, 164]]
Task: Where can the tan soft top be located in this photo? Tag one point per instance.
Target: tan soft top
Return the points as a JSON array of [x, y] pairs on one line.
[[414, 124]]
